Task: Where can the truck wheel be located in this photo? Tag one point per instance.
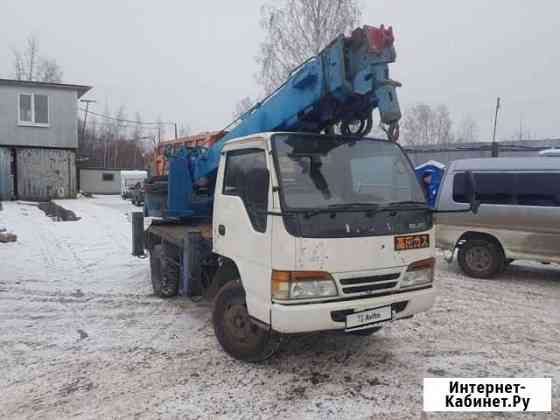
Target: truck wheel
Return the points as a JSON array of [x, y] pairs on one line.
[[165, 279], [481, 258], [367, 332], [238, 335]]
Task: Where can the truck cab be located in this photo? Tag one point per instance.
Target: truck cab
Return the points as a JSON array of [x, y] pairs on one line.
[[316, 233]]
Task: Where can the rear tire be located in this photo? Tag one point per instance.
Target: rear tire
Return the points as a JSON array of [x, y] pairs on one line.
[[165, 279], [238, 335], [481, 258]]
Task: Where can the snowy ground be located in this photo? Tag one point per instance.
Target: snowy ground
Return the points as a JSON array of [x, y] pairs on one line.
[[81, 335]]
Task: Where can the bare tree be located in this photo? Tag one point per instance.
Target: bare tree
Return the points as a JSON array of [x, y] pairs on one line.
[[467, 130], [241, 107], [184, 130], [29, 64], [49, 70], [297, 30], [424, 125]]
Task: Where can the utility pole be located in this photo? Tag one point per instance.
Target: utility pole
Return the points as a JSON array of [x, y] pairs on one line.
[[87, 102], [494, 144], [175, 124]]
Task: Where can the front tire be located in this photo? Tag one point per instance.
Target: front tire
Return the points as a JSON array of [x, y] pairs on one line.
[[238, 335], [481, 258]]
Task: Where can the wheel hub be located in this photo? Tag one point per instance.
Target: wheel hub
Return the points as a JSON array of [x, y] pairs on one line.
[[238, 323], [479, 258]]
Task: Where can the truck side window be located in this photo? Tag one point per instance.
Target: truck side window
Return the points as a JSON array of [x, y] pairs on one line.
[[538, 189], [492, 188], [246, 176]]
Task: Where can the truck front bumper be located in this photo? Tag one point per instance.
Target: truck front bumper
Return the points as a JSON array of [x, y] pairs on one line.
[[301, 318]]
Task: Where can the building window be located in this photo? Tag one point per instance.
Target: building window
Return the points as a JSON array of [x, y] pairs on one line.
[[34, 109], [108, 177]]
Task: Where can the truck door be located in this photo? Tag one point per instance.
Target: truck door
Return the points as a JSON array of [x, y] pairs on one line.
[[241, 232]]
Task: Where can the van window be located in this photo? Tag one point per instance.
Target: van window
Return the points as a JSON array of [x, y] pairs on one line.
[[538, 189], [492, 188]]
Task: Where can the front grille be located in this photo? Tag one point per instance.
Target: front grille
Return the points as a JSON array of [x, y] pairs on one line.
[[370, 279], [369, 284], [369, 287]]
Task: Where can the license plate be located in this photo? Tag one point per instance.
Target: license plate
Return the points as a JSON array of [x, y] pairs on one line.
[[371, 316], [403, 243]]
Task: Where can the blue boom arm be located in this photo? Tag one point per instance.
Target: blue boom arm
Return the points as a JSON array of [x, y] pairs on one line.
[[342, 86]]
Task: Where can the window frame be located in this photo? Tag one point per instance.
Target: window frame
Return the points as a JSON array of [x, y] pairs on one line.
[[32, 123], [513, 174], [249, 211], [109, 175], [236, 152]]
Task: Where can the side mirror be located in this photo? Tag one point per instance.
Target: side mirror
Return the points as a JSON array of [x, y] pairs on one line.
[[472, 192]]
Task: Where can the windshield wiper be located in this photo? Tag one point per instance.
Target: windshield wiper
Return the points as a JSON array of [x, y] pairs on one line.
[[407, 203], [404, 205], [350, 206], [369, 208]]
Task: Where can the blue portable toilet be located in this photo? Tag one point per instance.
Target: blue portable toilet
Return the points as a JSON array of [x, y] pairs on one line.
[[436, 169]]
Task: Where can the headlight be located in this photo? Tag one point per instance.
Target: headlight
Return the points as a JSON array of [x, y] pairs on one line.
[[302, 285], [418, 273]]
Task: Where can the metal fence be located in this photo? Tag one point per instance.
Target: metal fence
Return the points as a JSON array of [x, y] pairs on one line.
[[448, 153]]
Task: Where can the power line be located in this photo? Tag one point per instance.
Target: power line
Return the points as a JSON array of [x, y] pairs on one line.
[[127, 121]]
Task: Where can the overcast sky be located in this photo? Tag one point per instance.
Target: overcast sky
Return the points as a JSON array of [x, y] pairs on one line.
[[191, 61]]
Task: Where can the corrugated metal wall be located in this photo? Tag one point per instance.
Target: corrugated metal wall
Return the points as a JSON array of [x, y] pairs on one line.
[[5, 173], [44, 174]]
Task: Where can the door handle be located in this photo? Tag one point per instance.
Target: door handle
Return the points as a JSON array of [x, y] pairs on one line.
[[221, 230]]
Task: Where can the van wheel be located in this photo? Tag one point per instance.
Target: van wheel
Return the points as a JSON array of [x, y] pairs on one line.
[[238, 335], [164, 276], [481, 258]]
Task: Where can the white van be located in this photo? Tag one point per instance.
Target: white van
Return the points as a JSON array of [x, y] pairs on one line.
[[518, 218], [130, 179]]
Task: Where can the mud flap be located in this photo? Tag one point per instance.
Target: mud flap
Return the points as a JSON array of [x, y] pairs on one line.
[[195, 249]]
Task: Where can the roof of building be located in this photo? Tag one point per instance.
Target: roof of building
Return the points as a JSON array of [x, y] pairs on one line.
[[513, 145], [81, 89], [434, 163]]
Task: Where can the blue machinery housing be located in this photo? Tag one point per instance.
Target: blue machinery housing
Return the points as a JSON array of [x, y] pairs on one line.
[[341, 86]]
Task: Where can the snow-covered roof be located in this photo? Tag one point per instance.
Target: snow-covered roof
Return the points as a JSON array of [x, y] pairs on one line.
[[431, 163], [550, 152]]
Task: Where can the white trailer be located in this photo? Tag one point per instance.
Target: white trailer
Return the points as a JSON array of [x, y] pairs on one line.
[[130, 179]]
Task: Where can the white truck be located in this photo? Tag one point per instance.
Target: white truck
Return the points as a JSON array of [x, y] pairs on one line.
[[304, 237], [292, 233]]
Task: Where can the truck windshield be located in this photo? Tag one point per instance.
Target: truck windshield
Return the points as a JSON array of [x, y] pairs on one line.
[[319, 172]]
